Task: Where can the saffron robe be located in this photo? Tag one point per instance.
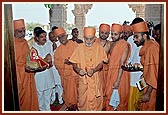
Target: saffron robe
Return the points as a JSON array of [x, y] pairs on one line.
[[26, 82], [90, 94], [104, 71], [150, 60], [68, 75], [113, 71]]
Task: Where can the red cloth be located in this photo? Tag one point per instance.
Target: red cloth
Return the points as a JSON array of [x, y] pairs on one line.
[[36, 58]]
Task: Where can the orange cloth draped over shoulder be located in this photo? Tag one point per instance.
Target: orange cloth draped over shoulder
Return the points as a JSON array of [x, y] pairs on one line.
[[90, 94], [149, 54], [68, 76], [150, 60], [113, 71], [26, 82], [103, 72]]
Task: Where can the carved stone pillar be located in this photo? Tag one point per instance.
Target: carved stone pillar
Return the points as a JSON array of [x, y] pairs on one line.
[[80, 10], [58, 15], [139, 9], [149, 12], [153, 13]]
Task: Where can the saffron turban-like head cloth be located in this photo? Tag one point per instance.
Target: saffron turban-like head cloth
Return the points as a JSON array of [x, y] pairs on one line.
[[18, 24], [59, 31], [127, 28], [116, 27], [104, 27], [89, 31], [140, 27]]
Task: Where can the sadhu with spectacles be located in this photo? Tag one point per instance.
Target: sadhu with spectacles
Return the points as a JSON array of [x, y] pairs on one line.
[[26, 83]]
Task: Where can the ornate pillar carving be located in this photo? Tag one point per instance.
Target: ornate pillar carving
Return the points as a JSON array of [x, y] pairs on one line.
[[80, 10], [139, 9], [153, 13], [149, 12], [58, 15]]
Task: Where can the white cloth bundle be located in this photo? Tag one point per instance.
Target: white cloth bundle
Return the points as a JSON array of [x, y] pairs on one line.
[[115, 99]]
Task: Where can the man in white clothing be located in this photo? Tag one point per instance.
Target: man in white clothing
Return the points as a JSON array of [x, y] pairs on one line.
[[44, 79], [58, 86], [134, 76]]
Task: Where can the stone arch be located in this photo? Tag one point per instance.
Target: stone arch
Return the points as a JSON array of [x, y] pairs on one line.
[[58, 14], [80, 10], [149, 12]]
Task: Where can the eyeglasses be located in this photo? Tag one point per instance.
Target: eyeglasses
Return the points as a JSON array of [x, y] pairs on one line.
[[21, 30], [105, 33], [62, 36], [89, 38]]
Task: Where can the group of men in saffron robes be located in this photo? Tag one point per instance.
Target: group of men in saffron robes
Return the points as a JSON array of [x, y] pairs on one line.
[[91, 71]]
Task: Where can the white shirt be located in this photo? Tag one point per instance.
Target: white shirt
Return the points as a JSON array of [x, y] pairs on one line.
[[45, 79], [134, 58], [57, 77]]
